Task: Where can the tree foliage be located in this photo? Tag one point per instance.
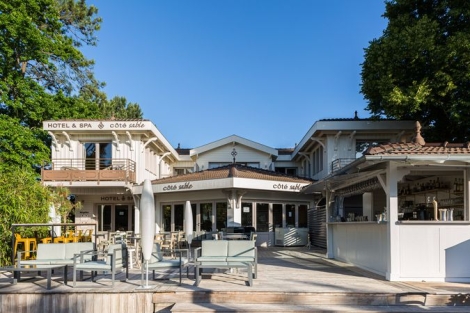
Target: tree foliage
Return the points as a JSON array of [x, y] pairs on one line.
[[118, 107], [419, 69], [45, 76], [23, 200]]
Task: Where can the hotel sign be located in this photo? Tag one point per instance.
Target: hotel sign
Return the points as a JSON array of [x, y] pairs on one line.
[[229, 183], [96, 125]]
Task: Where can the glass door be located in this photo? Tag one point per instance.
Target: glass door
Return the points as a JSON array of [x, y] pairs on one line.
[[121, 217], [115, 217]]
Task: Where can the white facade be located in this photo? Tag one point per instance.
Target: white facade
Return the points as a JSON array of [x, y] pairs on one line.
[[105, 162]]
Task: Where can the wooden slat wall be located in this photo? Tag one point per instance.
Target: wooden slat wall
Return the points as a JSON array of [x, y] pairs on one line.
[[77, 302]]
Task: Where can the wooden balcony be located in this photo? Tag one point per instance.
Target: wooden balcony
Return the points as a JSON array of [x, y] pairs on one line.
[[89, 170]]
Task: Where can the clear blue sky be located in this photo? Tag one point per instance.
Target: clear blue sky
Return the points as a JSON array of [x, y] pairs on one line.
[[265, 70]]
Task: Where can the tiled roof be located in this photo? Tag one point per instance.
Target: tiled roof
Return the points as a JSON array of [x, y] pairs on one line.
[[233, 170], [417, 149]]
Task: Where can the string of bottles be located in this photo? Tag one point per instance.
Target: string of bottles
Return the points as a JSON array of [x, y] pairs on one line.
[[423, 186]]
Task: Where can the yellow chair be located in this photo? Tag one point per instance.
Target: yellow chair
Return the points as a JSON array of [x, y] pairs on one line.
[[28, 244], [86, 235]]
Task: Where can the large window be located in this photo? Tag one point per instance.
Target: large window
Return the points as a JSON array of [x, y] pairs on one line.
[[221, 215], [113, 217], [98, 155], [166, 209], [303, 215], [290, 215], [262, 217], [179, 216], [247, 214], [206, 216], [277, 215]]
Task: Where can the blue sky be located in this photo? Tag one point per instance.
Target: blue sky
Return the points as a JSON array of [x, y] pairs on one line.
[[265, 70]]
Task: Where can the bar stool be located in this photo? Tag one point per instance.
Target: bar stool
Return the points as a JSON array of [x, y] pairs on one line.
[[132, 257], [27, 244]]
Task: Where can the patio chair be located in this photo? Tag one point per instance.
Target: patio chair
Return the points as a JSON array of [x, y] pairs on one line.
[[86, 235], [157, 261], [114, 261]]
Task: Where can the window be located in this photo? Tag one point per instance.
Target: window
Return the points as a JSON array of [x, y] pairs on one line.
[[291, 171], [303, 215], [182, 170], [290, 215], [262, 217], [98, 155], [277, 215], [221, 215], [179, 217], [166, 217], [318, 160], [206, 216], [247, 214]]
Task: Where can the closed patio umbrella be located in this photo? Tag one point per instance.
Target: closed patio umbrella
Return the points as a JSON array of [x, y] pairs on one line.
[[188, 224], [147, 224]]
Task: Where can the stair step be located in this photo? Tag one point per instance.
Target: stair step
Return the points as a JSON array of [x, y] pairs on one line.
[[309, 298], [297, 298], [292, 308]]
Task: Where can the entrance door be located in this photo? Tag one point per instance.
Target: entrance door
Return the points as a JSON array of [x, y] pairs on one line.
[[121, 217], [112, 217]]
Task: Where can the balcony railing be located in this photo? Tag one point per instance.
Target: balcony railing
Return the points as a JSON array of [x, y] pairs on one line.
[[90, 170], [338, 164]]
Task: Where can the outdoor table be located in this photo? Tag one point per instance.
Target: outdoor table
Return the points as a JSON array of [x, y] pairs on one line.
[[35, 268]]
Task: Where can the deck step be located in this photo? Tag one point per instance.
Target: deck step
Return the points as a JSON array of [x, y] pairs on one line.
[[226, 301], [291, 308]]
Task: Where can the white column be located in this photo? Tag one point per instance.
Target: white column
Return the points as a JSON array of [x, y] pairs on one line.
[[393, 236], [329, 229]]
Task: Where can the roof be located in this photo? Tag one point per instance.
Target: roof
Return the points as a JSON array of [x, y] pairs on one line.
[[412, 148], [231, 140], [233, 170]]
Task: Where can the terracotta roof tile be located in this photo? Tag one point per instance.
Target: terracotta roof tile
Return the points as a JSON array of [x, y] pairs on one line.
[[417, 149], [233, 170]]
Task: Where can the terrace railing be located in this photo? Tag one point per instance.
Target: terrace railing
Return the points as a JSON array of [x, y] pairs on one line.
[[91, 170]]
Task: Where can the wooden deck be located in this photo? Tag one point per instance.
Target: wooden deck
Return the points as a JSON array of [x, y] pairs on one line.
[[286, 276]]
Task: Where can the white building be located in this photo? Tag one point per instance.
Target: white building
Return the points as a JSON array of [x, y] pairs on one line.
[[232, 182]]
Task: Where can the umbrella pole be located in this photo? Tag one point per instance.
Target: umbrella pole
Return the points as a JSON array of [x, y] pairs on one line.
[[146, 273]]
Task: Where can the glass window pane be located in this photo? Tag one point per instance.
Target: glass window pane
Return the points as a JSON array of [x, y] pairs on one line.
[[90, 155], [262, 217], [221, 215], [166, 217], [247, 214], [303, 215], [104, 217], [193, 209], [290, 215], [121, 217], [206, 216], [179, 216], [277, 215]]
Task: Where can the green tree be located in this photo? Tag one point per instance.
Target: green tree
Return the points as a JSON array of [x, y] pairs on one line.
[[23, 200], [44, 75], [419, 69], [62, 203], [118, 107]]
